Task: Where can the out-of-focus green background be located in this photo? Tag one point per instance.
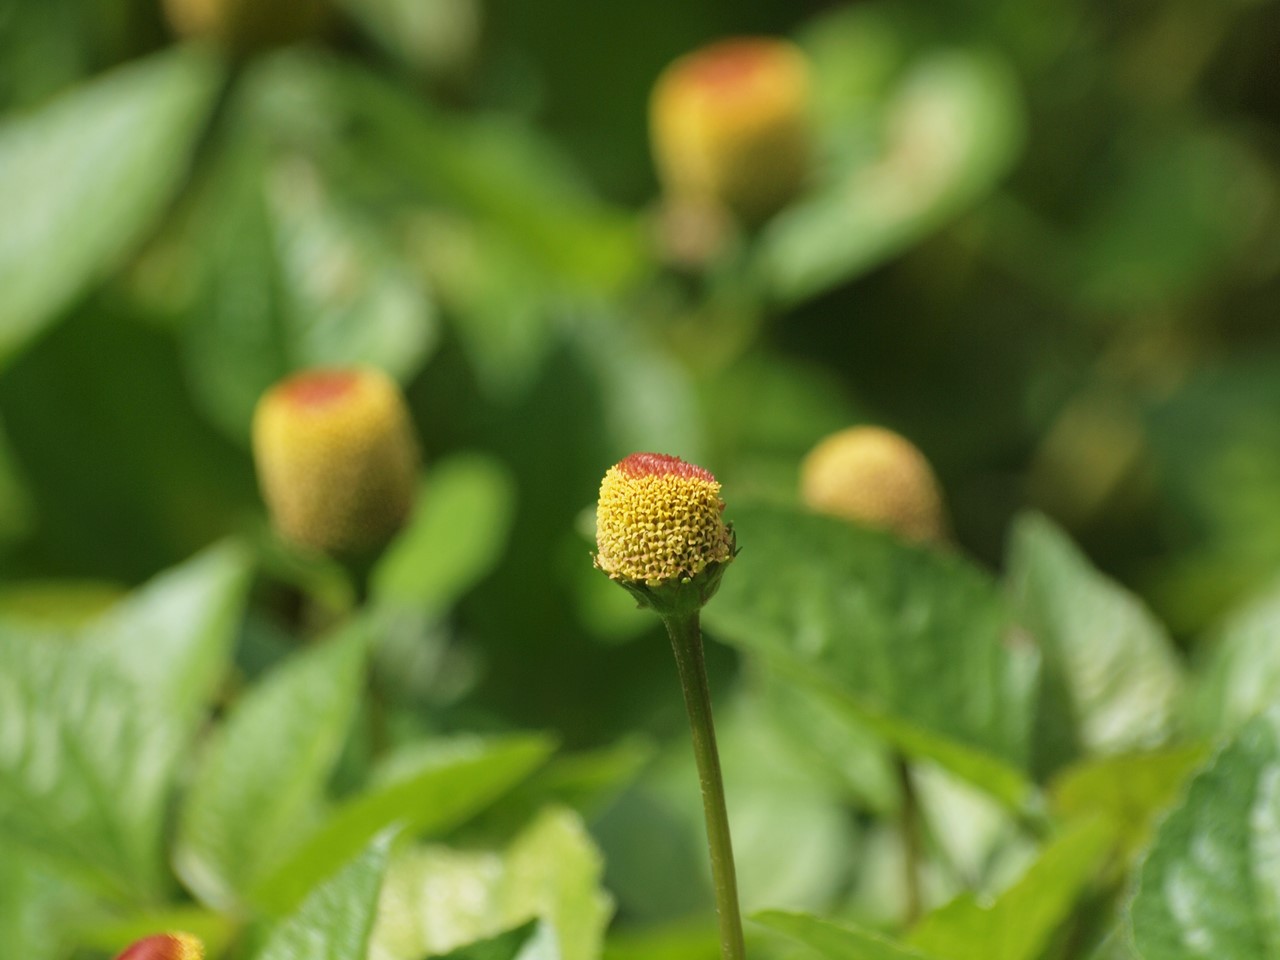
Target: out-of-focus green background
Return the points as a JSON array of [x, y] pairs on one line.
[[1041, 240]]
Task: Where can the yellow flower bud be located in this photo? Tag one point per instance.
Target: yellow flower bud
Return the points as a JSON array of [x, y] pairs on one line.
[[165, 946], [875, 477], [660, 531], [729, 125], [337, 459], [244, 26]]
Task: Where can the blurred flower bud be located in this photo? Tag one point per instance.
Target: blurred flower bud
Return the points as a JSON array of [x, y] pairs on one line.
[[244, 26], [337, 459], [165, 946], [875, 477], [661, 533], [730, 125]]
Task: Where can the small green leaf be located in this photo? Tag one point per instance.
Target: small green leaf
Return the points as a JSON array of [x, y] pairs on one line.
[[1117, 666], [1023, 918], [1241, 674], [427, 791], [918, 644], [517, 944], [82, 180], [438, 899], [335, 920], [836, 941], [457, 533], [1210, 886], [260, 782]]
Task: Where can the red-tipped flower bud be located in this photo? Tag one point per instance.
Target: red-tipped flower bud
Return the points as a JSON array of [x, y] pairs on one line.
[[730, 125], [165, 946], [337, 459], [875, 477], [660, 531]]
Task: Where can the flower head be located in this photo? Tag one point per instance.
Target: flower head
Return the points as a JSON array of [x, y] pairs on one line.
[[660, 524], [875, 477], [729, 124], [336, 456], [165, 946]]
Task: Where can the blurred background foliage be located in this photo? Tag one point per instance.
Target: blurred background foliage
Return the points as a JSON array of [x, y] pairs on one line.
[[1043, 242]]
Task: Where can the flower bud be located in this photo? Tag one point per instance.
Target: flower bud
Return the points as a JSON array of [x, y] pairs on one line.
[[245, 26], [165, 946], [875, 477], [660, 531], [729, 125], [337, 459]]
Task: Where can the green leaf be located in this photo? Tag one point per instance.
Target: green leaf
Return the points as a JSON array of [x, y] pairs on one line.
[[34, 907], [917, 644], [518, 944], [1210, 886], [438, 899], [1121, 676], [457, 534], [260, 782], [1023, 918], [1241, 674], [951, 131], [82, 180], [836, 941], [428, 791], [95, 727], [335, 920]]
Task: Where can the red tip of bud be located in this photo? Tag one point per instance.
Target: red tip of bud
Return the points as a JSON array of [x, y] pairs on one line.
[[318, 388], [729, 64], [165, 946], [662, 464]]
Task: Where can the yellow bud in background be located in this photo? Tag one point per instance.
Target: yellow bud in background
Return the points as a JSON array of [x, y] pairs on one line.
[[165, 946], [875, 477], [730, 125], [337, 459], [244, 26]]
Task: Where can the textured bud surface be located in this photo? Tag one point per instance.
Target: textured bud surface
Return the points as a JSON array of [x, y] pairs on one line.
[[659, 520], [337, 460], [165, 946], [729, 123], [876, 477]]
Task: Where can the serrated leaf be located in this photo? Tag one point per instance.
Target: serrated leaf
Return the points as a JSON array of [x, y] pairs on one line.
[[335, 920], [83, 178], [1018, 925], [951, 131], [918, 643], [438, 899], [1117, 666], [91, 736], [836, 941], [260, 783], [457, 533], [1210, 886], [1241, 674], [429, 791]]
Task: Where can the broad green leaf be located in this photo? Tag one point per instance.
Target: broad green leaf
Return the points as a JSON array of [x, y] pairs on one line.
[[1018, 925], [836, 941], [456, 535], [1130, 790], [519, 944], [83, 178], [93, 729], [918, 644], [950, 132], [438, 899], [1210, 886], [34, 907], [260, 782], [1241, 673], [1115, 663], [335, 920], [428, 791]]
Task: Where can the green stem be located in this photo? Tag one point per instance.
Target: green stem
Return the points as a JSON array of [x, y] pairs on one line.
[[912, 841], [686, 642]]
